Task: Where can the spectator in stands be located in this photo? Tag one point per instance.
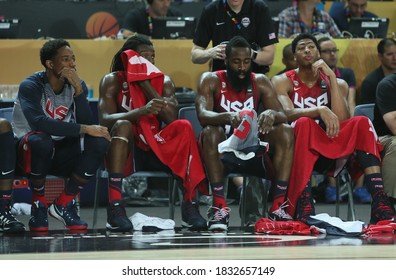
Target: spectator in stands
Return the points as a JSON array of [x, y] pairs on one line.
[[314, 100], [223, 19], [57, 135], [385, 126], [329, 53], [386, 49], [134, 99], [341, 12], [140, 20], [8, 223], [222, 96], [288, 59], [304, 17]]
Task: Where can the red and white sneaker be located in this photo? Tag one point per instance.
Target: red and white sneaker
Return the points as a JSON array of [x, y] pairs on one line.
[[218, 218], [280, 214]]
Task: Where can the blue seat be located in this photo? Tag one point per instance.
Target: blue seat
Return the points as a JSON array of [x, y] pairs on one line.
[[365, 110], [6, 113]]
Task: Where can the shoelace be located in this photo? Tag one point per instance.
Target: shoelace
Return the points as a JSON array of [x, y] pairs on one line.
[[282, 213], [220, 213]]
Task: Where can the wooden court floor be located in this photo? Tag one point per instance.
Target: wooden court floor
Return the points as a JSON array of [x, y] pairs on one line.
[[180, 244]]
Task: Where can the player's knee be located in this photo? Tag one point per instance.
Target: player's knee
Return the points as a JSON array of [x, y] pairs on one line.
[[5, 126], [96, 145], [288, 135], [212, 135], [101, 145], [285, 135], [41, 143], [303, 124], [122, 128]]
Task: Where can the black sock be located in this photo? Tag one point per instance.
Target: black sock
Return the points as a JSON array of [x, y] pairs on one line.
[[279, 193], [218, 195], [373, 182]]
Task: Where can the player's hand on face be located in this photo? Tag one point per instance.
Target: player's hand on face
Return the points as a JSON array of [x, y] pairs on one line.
[[330, 120], [155, 106], [71, 75], [321, 65], [266, 121]]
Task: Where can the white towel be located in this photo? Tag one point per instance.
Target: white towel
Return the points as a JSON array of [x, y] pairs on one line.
[[139, 221], [21, 209], [244, 142], [348, 227]]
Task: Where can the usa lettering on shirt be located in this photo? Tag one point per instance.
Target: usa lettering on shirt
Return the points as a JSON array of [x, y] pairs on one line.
[[310, 102]]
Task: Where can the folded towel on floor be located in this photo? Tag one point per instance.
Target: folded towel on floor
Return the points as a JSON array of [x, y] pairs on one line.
[[152, 224], [336, 226], [21, 209]]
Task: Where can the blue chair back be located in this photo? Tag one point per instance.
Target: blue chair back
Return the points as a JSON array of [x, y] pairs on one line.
[[189, 113], [6, 113], [365, 110]]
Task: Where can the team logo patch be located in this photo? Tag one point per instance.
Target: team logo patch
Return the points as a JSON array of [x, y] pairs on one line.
[[323, 85], [125, 85], [296, 83], [245, 21]]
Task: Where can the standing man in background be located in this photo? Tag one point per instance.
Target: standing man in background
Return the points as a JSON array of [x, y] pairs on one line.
[[223, 19], [139, 20], [385, 125]]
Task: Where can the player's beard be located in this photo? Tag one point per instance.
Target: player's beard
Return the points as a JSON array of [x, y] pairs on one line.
[[237, 83]]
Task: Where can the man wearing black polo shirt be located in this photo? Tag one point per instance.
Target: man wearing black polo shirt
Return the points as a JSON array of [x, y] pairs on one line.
[[385, 126], [223, 19]]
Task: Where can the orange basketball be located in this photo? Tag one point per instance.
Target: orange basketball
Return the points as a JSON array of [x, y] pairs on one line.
[[101, 24]]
